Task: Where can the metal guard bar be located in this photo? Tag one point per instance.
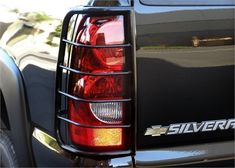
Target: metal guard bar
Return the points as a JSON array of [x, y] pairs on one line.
[[96, 46], [93, 101], [62, 90], [90, 126], [94, 74]]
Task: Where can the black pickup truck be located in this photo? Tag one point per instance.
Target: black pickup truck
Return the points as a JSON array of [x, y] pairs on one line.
[[113, 83]]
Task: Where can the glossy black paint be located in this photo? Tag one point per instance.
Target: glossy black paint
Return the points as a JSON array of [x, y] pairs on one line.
[[12, 89], [176, 82], [180, 83], [187, 2]]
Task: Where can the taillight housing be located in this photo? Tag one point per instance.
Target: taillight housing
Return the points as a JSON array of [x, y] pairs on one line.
[[99, 84]]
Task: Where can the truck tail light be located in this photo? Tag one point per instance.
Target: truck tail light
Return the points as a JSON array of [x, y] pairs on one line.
[[111, 89], [99, 94]]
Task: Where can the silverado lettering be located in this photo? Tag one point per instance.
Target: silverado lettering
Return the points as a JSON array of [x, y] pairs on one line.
[[193, 127]]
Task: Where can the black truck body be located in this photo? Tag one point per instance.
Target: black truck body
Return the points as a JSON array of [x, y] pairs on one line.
[[183, 83]]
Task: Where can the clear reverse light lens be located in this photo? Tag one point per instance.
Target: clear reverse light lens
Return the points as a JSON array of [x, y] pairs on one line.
[[107, 112]]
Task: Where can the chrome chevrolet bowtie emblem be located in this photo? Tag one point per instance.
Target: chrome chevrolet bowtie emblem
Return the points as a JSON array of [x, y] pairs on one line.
[[156, 130]]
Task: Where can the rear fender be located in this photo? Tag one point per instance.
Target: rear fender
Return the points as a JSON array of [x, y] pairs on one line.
[[12, 87]]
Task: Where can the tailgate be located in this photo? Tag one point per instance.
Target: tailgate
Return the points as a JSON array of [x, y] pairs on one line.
[[185, 74]]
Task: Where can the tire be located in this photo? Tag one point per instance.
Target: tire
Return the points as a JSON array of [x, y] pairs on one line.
[[7, 152]]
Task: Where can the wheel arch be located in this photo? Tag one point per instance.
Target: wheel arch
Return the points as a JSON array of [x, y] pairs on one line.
[[13, 92], [5, 124]]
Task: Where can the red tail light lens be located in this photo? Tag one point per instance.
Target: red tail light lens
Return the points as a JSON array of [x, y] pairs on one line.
[[99, 31]]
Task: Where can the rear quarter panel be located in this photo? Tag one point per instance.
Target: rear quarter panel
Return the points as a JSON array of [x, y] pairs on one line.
[[178, 79]]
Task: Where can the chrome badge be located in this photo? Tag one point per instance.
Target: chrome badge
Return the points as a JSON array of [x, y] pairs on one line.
[[191, 127], [156, 130]]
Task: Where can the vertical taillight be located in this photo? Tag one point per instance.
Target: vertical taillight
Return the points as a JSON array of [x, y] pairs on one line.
[[102, 84]]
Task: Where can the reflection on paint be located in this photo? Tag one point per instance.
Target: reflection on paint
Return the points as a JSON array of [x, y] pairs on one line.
[[47, 140], [166, 155]]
